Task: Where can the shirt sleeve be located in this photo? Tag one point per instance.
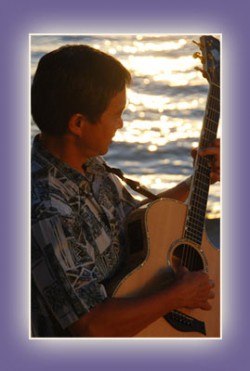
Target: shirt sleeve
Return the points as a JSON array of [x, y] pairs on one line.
[[64, 271]]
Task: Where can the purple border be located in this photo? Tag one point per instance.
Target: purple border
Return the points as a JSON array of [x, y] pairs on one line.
[[20, 19]]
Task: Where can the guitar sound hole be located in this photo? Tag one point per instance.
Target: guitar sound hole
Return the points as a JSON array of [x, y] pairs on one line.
[[188, 257]]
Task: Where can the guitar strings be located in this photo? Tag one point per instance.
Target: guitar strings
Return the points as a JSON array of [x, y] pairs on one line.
[[201, 181]]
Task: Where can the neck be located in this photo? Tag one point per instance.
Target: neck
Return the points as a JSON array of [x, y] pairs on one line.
[[201, 179], [64, 148]]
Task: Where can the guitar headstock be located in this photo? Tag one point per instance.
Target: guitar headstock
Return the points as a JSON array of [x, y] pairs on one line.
[[210, 58]]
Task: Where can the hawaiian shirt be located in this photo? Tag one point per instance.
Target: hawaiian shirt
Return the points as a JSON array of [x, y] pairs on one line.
[[77, 239]]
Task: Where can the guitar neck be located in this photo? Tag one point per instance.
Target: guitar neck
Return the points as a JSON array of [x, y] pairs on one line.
[[201, 178]]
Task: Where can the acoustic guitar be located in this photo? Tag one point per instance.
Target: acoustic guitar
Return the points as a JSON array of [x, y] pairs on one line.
[[166, 232]]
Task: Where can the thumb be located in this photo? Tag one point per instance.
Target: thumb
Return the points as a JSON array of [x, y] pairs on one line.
[[181, 271]]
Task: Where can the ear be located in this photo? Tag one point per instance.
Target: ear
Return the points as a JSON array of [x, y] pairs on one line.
[[76, 123]]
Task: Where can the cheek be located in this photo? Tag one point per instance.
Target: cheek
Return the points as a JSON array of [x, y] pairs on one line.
[[108, 130], [89, 137]]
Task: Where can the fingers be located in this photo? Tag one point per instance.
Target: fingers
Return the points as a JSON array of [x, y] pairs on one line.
[[206, 306], [211, 283], [181, 271], [194, 152], [211, 295], [211, 149], [207, 294], [200, 289]]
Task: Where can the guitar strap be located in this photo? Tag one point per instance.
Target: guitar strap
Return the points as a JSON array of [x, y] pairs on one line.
[[136, 186]]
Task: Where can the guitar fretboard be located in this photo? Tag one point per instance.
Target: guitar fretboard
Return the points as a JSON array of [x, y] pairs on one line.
[[201, 178]]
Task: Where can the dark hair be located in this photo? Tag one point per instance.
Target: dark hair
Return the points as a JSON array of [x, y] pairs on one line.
[[74, 79]]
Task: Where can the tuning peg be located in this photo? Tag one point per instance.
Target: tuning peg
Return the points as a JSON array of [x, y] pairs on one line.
[[198, 55], [198, 44], [202, 71], [199, 69]]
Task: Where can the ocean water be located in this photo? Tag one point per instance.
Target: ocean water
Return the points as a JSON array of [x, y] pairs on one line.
[[166, 102]]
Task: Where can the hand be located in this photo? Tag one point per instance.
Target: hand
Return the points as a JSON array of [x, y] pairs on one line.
[[214, 150], [195, 289]]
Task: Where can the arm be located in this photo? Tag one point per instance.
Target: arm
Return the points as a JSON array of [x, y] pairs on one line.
[[125, 317], [179, 192]]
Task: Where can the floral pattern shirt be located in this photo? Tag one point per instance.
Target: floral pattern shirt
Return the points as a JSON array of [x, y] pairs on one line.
[[77, 239]]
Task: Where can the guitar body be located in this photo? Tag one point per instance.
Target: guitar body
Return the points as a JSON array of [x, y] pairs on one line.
[[164, 220]]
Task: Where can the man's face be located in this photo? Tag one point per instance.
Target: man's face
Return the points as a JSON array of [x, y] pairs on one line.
[[97, 137]]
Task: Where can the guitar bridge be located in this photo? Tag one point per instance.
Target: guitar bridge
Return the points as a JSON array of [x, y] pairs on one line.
[[185, 323]]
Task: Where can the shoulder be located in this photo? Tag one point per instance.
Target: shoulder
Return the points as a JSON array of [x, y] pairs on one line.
[[51, 192]]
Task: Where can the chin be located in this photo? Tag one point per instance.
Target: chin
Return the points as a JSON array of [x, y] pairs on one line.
[[103, 152]]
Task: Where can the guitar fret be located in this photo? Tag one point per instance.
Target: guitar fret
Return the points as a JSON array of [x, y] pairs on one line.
[[216, 88], [197, 193], [195, 198], [213, 97], [194, 236], [198, 199], [214, 100], [209, 132], [211, 121], [213, 106], [194, 204], [199, 196], [195, 219], [195, 211], [202, 176], [211, 125], [201, 182], [203, 167], [198, 205], [214, 110], [195, 222], [203, 170], [195, 225], [193, 231]]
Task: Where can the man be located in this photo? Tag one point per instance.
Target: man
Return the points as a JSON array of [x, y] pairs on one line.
[[78, 207]]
